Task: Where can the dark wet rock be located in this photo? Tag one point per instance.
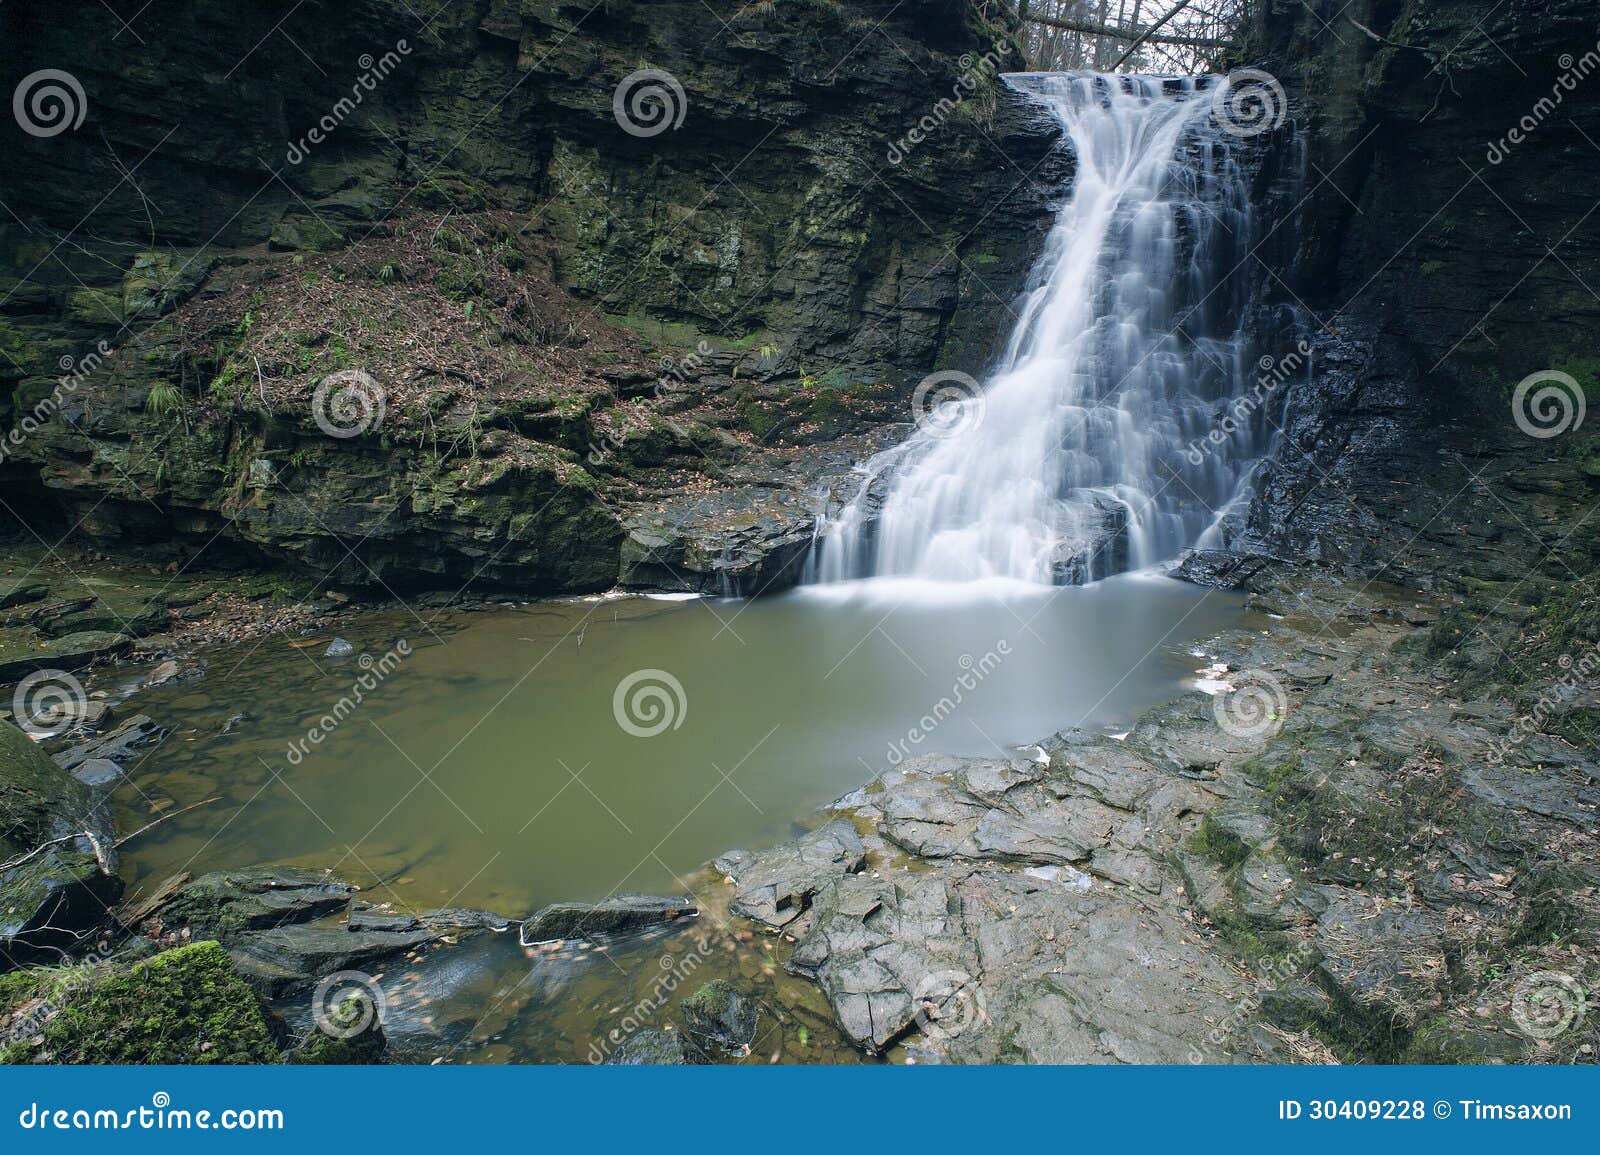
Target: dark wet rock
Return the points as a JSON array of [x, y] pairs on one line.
[[619, 914], [17, 592], [58, 856], [776, 887], [120, 749], [719, 1021], [294, 958], [1223, 569], [228, 903], [367, 917], [736, 543], [285, 929], [650, 1048]]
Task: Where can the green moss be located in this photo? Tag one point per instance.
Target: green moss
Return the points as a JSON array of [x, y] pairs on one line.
[[186, 1005], [1429, 268], [1219, 844], [450, 189]]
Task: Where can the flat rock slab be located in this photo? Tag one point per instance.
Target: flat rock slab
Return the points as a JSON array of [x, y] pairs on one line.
[[619, 914], [21, 652], [227, 903], [980, 960]]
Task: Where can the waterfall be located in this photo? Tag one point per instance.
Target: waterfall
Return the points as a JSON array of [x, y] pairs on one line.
[[1094, 445]]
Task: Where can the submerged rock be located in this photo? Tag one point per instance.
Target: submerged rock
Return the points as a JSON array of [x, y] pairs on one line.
[[719, 1021], [110, 754], [618, 914], [650, 1048]]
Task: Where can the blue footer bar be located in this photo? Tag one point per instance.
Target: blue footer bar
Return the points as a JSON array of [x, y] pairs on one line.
[[1189, 1108]]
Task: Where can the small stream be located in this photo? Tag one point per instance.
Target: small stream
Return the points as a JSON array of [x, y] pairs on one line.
[[569, 750]]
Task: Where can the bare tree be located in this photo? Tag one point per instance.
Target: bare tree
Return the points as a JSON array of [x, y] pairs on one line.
[[1177, 36]]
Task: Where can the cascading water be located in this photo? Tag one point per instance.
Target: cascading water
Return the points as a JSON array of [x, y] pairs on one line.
[[1091, 449]]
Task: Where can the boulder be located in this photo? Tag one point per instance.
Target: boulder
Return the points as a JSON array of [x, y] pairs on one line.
[[718, 1021]]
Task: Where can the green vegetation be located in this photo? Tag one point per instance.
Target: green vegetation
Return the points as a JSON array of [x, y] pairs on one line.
[[182, 1006], [163, 400]]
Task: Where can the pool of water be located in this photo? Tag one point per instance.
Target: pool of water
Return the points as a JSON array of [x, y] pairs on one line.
[[526, 754], [568, 750]]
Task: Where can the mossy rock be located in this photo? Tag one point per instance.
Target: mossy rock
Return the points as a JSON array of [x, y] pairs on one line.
[[47, 897], [186, 1006]]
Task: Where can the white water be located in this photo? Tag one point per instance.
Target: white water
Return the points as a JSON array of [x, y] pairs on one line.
[[1077, 458]]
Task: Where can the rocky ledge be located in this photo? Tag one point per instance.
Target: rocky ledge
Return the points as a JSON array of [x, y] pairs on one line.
[[1338, 856]]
